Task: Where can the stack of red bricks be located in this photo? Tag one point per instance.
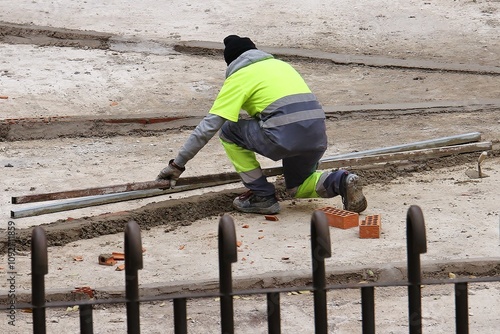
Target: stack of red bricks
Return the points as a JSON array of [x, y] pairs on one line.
[[369, 228]]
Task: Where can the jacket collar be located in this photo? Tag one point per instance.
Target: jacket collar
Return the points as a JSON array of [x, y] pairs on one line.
[[246, 58]]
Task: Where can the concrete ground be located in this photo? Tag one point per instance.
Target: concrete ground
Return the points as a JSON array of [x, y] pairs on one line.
[[395, 73]]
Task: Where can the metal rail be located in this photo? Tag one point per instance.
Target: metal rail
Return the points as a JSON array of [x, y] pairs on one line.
[[446, 145]]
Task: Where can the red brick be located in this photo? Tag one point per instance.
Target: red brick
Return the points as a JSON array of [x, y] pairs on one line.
[[272, 218], [369, 228], [341, 218]]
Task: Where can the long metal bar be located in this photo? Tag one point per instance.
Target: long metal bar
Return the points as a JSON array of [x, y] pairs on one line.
[[128, 187], [226, 178], [432, 143], [100, 200], [408, 155], [234, 177]]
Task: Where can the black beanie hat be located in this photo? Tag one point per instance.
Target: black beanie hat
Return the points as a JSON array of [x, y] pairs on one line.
[[235, 46]]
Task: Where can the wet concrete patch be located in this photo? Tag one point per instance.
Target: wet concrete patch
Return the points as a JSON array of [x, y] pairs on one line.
[[72, 127], [49, 36]]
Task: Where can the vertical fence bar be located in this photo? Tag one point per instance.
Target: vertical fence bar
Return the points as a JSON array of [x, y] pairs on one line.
[[321, 248], [180, 316], [273, 313], [416, 245], [461, 308], [86, 321], [39, 268], [227, 255], [368, 309], [133, 263]]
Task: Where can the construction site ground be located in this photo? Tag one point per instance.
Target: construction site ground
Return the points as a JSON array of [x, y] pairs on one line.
[[79, 80]]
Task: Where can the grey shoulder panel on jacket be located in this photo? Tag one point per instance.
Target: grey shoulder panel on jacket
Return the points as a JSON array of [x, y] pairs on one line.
[[247, 58]]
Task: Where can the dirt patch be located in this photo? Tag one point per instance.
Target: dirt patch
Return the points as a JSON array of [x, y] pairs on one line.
[[75, 127]]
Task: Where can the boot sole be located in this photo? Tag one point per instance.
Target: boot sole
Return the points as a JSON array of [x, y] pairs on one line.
[[273, 209], [356, 201]]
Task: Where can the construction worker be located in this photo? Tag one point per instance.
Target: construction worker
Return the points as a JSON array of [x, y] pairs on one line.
[[286, 123]]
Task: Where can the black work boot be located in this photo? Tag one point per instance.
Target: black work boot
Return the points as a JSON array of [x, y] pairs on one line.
[[352, 193], [251, 203]]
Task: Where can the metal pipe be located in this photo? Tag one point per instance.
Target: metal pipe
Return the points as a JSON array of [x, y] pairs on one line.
[[100, 200], [221, 178], [234, 177], [439, 142], [224, 177], [324, 164], [407, 155]]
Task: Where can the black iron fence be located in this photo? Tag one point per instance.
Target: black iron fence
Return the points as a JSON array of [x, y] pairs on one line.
[[320, 250]]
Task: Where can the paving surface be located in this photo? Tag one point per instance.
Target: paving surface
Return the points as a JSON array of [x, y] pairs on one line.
[[389, 73]]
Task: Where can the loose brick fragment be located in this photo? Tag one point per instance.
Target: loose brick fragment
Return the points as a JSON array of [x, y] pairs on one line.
[[271, 218], [107, 260], [121, 267], [369, 228], [118, 256], [341, 218], [84, 290]]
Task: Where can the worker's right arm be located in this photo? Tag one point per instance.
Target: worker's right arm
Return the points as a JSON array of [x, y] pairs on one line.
[[226, 107], [199, 138]]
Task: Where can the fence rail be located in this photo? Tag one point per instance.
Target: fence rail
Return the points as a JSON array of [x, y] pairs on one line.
[[227, 244]]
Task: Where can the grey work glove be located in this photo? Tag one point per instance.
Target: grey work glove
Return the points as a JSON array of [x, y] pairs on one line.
[[171, 173]]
